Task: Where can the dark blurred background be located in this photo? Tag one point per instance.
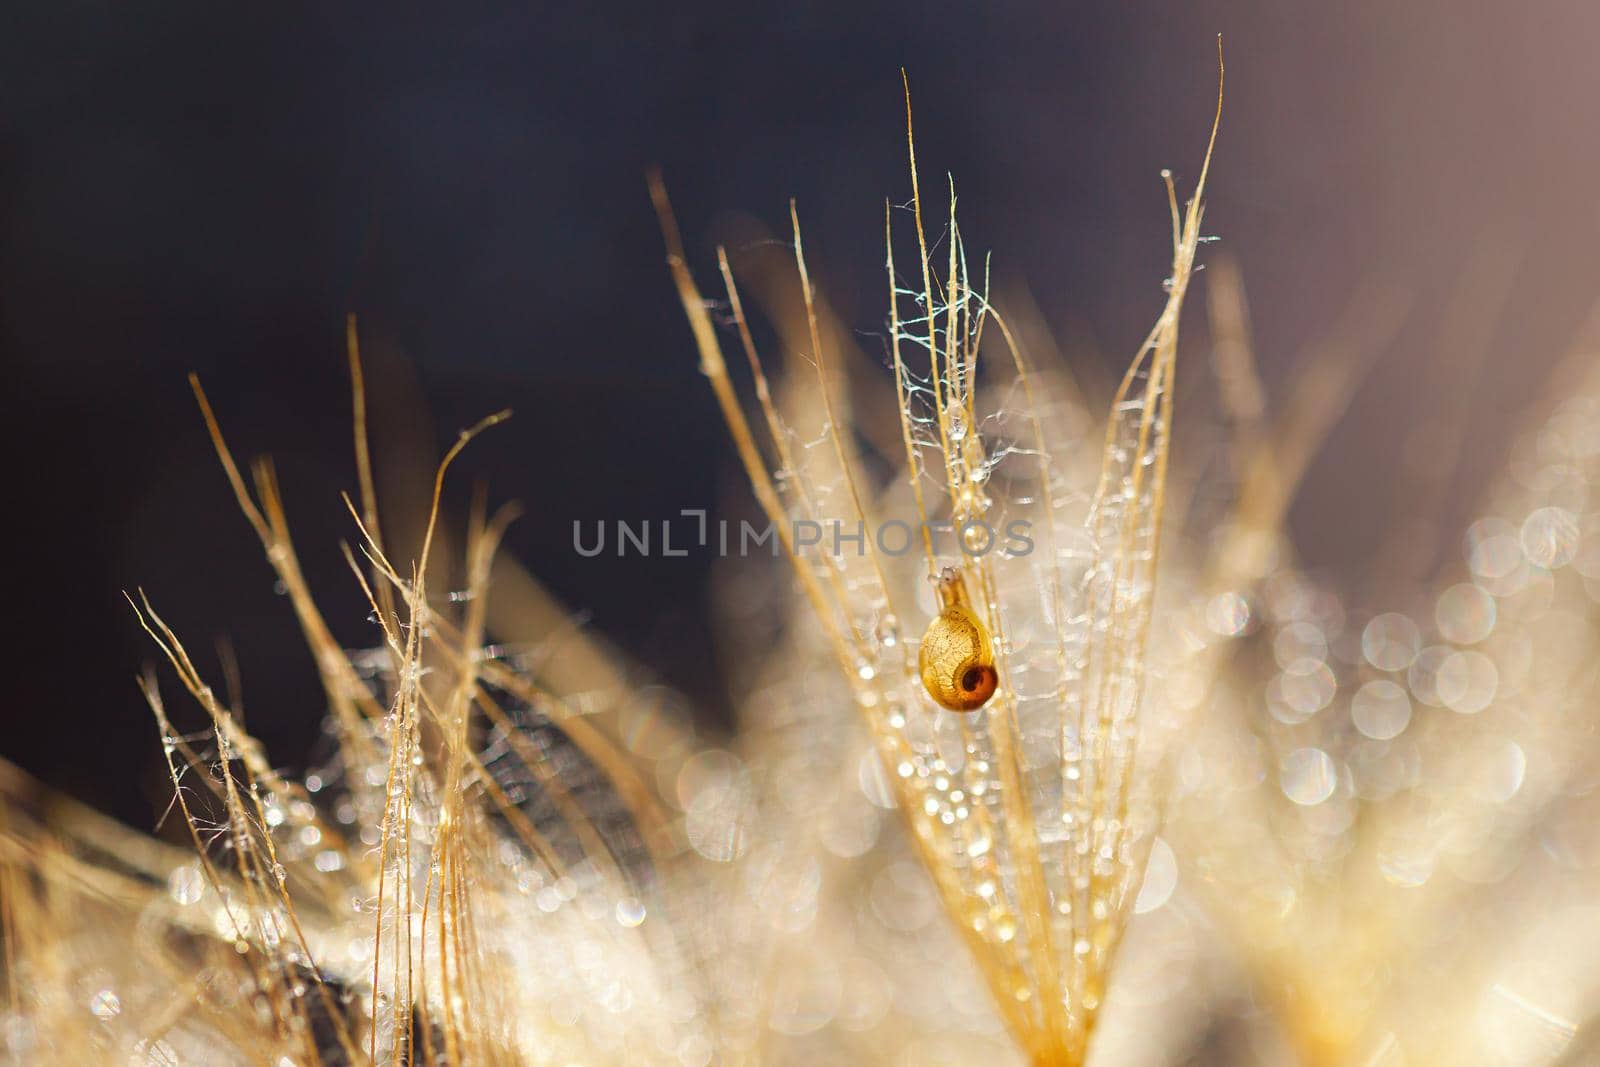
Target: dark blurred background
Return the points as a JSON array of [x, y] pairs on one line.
[[195, 187]]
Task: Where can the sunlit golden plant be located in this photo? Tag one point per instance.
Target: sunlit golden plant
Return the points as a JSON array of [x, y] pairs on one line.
[[1027, 811], [929, 836]]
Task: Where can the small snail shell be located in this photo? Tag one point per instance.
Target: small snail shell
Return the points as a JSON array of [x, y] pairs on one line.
[[957, 657]]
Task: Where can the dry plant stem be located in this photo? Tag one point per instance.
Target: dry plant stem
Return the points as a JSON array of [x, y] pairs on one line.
[[1035, 902], [427, 985], [713, 366], [351, 702], [1135, 554], [407, 726], [913, 462], [252, 873], [364, 479], [775, 427], [952, 460], [400, 782], [927, 274], [632, 790], [715, 369], [961, 350], [1049, 1010], [1040, 932], [1322, 1021], [835, 431], [1046, 493], [957, 397]]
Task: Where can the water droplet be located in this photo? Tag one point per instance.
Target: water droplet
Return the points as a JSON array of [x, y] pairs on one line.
[[1228, 614], [630, 912], [157, 1053], [1494, 552], [1308, 776], [873, 782], [1466, 682], [1504, 774], [1304, 688], [1390, 642], [1423, 674], [1465, 614], [186, 885], [105, 1004], [977, 538], [1299, 641], [1380, 710], [1550, 537], [1160, 878]]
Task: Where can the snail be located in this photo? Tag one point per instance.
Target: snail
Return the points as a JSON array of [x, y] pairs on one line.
[[957, 657]]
